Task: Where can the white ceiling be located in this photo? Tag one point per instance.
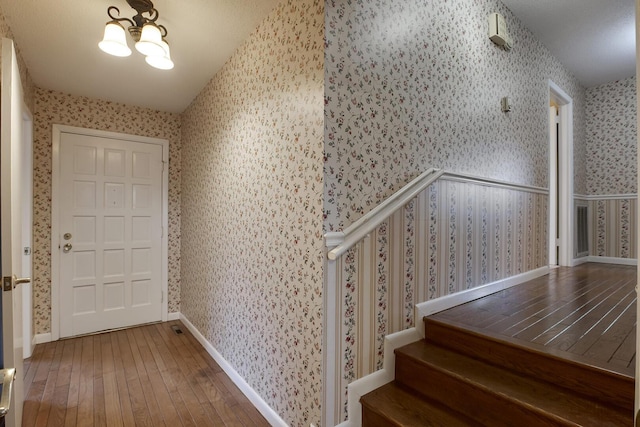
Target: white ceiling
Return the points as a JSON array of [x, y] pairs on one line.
[[595, 39], [58, 40]]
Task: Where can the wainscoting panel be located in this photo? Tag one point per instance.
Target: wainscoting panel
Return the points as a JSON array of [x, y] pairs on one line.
[[456, 235], [613, 227]]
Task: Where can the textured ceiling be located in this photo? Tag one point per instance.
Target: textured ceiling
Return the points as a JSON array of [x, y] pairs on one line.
[[595, 39], [58, 40]]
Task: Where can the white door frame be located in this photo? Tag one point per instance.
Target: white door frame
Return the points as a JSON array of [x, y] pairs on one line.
[[58, 130], [27, 230], [636, 410], [565, 178]]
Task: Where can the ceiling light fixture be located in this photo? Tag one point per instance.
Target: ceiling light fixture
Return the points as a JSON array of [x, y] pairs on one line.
[[148, 36]]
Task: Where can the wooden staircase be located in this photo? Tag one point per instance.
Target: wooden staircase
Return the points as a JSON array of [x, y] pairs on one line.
[[460, 377]]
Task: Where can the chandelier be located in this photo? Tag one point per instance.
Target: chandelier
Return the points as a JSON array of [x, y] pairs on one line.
[[149, 37]]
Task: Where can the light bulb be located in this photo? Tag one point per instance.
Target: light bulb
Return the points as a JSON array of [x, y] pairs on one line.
[[114, 41], [162, 62], [150, 40]]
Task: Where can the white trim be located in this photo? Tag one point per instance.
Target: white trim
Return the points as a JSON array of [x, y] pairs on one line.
[[331, 329], [333, 238], [55, 274], [581, 260], [636, 409], [367, 223], [272, 417], [43, 338], [173, 316], [27, 230], [489, 182], [606, 260], [565, 178], [341, 241], [367, 384], [606, 196], [428, 308], [364, 385], [553, 184]]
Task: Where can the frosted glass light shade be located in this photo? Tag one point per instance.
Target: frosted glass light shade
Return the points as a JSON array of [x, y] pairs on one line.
[[150, 41], [114, 41], [162, 62]]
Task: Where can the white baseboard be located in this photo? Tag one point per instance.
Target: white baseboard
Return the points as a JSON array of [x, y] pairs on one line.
[[609, 260], [42, 338], [428, 308], [579, 261], [272, 417], [173, 316], [367, 384]]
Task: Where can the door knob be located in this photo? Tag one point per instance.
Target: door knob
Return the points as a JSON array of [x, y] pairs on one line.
[[67, 247], [7, 385], [10, 282]]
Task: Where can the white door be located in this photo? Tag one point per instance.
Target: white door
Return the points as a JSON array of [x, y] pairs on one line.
[[11, 224], [110, 226]]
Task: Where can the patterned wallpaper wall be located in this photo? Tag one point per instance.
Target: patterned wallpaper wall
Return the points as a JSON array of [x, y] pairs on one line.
[[58, 108], [454, 236], [613, 227], [611, 130], [252, 153], [27, 83], [417, 84]]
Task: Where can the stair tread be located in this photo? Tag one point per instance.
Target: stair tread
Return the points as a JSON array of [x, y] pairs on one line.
[[605, 385], [392, 404], [531, 393], [563, 356]]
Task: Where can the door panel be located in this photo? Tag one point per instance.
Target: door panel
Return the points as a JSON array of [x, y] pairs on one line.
[[111, 232], [11, 106]]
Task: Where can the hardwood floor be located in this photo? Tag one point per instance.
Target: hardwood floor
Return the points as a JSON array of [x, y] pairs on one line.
[[555, 351], [585, 313], [145, 376]]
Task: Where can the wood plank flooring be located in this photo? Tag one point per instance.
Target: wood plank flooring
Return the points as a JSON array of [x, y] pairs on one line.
[[585, 313], [145, 376]]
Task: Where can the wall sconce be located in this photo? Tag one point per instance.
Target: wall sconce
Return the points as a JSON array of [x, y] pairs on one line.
[[505, 104], [148, 36]]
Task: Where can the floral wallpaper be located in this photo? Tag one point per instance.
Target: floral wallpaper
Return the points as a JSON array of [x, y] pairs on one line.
[[252, 150], [612, 226], [416, 84], [27, 83], [58, 108], [611, 132], [452, 237]]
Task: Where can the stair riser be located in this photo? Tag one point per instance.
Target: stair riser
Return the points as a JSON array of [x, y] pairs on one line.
[[467, 398], [372, 419], [611, 388]]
